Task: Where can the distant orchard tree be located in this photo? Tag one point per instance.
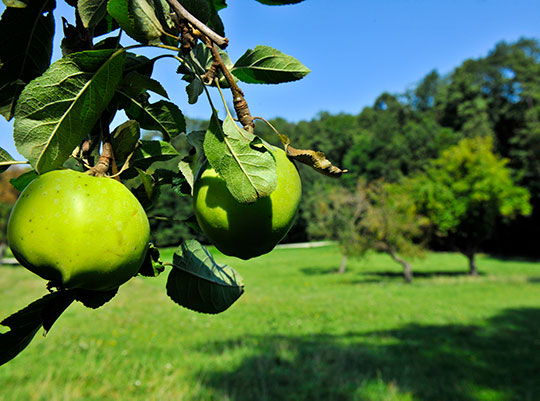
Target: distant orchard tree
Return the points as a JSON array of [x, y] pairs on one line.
[[393, 225], [335, 213], [8, 196], [376, 216], [8, 193], [464, 191]]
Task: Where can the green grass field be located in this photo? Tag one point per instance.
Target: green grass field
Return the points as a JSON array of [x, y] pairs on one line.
[[300, 332]]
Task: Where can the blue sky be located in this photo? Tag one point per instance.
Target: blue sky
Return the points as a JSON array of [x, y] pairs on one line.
[[356, 49]]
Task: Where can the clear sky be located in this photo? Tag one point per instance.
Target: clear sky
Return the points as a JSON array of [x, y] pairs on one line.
[[356, 49]]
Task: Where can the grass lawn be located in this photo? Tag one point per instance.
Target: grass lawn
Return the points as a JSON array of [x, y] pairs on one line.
[[300, 332]]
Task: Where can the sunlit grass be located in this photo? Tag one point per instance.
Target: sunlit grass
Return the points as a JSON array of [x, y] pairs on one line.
[[300, 332]]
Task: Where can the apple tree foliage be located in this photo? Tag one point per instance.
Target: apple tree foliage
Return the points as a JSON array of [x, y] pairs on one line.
[[63, 114]]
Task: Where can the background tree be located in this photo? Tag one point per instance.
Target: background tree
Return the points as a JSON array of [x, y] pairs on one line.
[[393, 225], [376, 216], [8, 196], [464, 191], [335, 213], [5, 209]]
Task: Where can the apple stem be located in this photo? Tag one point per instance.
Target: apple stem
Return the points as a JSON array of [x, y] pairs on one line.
[[104, 162], [106, 159]]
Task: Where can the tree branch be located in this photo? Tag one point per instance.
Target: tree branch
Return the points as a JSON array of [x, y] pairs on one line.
[[211, 39], [240, 105], [182, 13], [106, 159]]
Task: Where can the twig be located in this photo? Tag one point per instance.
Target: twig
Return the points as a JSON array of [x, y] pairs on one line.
[[126, 164], [106, 160], [184, 14], [240, 105], [211, 39]]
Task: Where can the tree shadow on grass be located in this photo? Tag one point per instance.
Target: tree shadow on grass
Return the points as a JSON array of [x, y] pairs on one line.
[[378, 276], [373, 276], [516, 258], [317, 271], [496, 361]]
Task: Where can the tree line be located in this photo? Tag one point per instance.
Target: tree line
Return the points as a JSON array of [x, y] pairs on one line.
[[496, 97]]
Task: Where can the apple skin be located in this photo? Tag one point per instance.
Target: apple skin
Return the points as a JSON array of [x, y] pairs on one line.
[[252, 229], [79, 231]]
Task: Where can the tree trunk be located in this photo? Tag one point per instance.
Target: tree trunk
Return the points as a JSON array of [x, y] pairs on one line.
[[343, 264], [473, 270], [407, 270]]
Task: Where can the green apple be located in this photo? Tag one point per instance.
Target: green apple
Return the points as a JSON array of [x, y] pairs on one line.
[[78, 230], [246, 230]]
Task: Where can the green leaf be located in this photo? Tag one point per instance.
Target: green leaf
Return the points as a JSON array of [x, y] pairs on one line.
[[279, 2], [135, 84], [25, 323], [190, 164], [110, 42], [124, 139], [163, 13], [162, 116], [152, 266], [15, 3], [143, 186], [58, 110], [137, 18], [215, 22], [91, 11], [147, 153], [265, 65], [5, 160], [22, 181], [241, 159], [198, 283], [148, 183], [217, 4], [94, 299], [201, 60], [200, 9], [169, 176], [26, 36], [194, 89], [139, 63], [105, 26], [150, 152]]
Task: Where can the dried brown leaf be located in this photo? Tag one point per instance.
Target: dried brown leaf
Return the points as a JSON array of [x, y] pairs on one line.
[[315, 159]]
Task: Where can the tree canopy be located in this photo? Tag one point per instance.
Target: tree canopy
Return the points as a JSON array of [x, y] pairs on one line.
[[465, 190]]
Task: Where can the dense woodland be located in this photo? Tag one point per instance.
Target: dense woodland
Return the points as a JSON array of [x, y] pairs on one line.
[[496, 96]]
